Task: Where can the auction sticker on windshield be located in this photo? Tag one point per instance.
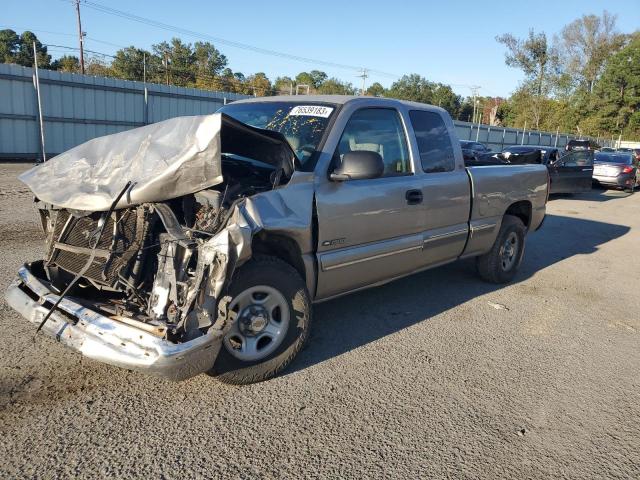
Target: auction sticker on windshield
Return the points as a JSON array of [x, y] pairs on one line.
[[311, 111]]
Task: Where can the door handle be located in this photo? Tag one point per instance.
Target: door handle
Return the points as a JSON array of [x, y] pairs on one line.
[[413, 197]]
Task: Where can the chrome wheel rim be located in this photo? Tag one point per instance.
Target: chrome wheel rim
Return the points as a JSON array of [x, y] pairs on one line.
[[261, 324], [509, 251]]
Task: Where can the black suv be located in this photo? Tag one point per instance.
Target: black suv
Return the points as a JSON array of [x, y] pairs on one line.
[[578, 145]]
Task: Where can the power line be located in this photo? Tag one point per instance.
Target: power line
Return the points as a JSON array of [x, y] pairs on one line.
[[147, 21], [165, 26], [38, 30], [76, 49]]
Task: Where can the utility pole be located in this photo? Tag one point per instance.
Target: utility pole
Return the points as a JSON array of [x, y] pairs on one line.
[[80, 37], [166, 67], [474, 94], [364, 76], [40, 115]]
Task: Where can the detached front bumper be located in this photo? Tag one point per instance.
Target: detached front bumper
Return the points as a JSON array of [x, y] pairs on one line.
[[107, 340]]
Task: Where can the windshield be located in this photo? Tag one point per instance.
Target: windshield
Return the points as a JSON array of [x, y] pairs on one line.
[[614, 158], [302, 124]]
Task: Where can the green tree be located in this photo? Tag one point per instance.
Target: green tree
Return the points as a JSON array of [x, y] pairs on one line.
[[24, 54], [98, 67], [418, 89], [586, 44], [538, 61], [317, 78], [9, 44], [284, 85], [412, 87], [466, 110], [129, 63], [177, 62], [66, 63], [305, 78], [376, 90], [259, 84], [617, 93], [533, 55], [333, 86], [443, 96], [208, 59]]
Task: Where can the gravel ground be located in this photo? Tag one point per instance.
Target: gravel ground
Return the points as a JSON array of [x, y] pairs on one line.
[[437, 375]]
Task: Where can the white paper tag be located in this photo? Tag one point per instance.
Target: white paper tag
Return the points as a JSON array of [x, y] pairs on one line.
[[311, 111]]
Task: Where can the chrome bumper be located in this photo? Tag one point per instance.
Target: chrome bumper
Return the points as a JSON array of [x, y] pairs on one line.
[[110, 341]]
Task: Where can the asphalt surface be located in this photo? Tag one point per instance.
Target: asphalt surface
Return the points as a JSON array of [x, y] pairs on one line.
[[437, 375]]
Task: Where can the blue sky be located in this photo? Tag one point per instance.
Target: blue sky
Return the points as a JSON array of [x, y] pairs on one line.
[[451, 42]]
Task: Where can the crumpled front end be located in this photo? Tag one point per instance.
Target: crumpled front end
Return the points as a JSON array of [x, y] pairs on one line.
[[140, 283], [152, 298], [116, 341]]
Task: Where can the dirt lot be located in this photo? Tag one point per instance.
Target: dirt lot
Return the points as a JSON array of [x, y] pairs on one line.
[[436, 375]]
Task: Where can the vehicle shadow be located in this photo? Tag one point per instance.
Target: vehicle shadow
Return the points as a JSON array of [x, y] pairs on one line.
[[355, 320], [596, 194]]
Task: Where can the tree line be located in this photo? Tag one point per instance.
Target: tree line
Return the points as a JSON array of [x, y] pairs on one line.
[[584, 80]]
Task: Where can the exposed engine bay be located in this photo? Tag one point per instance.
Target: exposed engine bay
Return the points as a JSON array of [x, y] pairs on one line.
[[153, 262]]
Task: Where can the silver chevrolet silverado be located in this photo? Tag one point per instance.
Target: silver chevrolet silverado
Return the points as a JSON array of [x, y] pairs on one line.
[[199, 244]]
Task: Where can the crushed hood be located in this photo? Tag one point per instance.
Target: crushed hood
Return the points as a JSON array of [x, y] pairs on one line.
[[164, 160]]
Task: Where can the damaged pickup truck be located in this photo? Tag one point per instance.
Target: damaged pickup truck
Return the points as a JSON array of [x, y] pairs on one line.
[[199, 244]]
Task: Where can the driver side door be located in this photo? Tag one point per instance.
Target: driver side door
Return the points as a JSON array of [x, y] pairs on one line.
[[369, 229], [572, 173]]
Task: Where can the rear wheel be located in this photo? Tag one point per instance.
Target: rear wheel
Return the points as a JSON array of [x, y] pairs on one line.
[[501, 263], [273, 317]]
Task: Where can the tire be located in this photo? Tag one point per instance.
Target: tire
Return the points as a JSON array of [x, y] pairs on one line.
[[282, 282], [491, 265], [632, 188]]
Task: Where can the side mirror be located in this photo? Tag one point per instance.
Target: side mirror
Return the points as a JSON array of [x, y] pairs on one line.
[[359, 165]]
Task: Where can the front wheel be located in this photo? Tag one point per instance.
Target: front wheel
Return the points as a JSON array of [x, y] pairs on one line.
[[501, 263], [272, 320]]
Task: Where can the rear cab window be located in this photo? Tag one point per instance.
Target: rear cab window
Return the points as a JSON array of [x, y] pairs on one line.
[[434, 141]]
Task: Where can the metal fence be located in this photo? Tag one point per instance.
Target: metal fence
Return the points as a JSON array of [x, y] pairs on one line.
[[77, 108], [498, 137]]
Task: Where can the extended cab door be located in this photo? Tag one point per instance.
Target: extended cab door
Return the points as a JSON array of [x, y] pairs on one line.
[[369, 230], [572, 173], [445, 187]]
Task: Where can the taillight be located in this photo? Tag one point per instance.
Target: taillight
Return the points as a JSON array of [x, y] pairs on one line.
[[627, 170]]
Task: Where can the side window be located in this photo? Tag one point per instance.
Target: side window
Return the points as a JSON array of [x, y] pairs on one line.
[[577, 158], [377, 130], [434, 143]]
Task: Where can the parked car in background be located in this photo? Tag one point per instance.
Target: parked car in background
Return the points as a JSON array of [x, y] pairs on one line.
[[617, 169], [578, 145], [530, 154], [569, 173], [634, 151], [473, 151]]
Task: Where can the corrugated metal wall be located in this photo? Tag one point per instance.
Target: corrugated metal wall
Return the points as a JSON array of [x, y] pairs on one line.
[[77, 108], [498, 137], [80, 107]]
